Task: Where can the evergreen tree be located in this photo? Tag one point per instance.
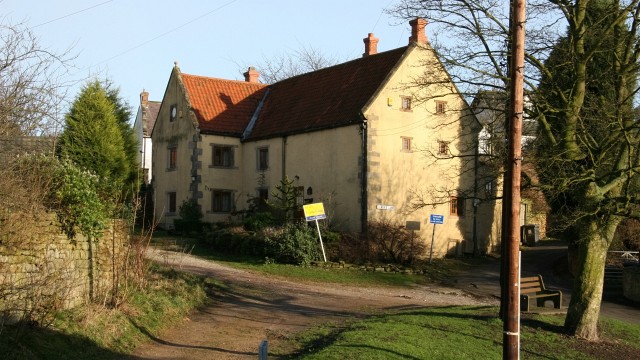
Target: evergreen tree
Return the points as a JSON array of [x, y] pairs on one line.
[[93, 139], [123, 115]]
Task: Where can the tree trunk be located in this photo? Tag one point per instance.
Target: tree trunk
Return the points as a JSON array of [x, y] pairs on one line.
[[584, 309]]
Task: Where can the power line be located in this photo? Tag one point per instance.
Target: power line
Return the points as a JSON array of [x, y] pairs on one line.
[[167, 32], [77, 12]]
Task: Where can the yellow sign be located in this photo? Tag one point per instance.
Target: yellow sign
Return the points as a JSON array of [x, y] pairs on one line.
[[314, 211]]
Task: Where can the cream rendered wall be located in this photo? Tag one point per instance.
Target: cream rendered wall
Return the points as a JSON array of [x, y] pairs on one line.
[[396, 177], [181, 133], [327, 161], [220, 178]]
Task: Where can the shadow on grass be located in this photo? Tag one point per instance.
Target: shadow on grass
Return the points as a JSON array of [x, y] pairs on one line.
[[26, 342]]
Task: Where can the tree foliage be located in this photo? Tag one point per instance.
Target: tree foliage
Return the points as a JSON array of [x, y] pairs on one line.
[[93, 138], [580, 74]]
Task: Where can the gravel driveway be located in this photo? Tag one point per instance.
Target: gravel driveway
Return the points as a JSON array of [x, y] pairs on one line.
[[254, 307]]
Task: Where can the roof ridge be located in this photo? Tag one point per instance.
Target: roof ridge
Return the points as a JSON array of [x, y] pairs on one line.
[[223, 80], [346, 63]]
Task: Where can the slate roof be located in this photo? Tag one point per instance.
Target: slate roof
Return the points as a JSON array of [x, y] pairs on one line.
[[322, 99], [222, 107], [153, 107]]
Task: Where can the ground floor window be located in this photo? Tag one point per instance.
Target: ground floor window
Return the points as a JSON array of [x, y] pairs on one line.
[[171, 202], [221, 200]]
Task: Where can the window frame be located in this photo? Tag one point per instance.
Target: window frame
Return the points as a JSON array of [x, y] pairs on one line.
[[221, 209], [172, 157], [443, 148], [406, 140], [172, 203], [441, 107], [221, 164], [457, 206], [260, 164], [405, 103], [173, 112]]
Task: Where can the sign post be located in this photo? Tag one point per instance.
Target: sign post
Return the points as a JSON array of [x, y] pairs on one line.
[[314, 212], [434, 219]]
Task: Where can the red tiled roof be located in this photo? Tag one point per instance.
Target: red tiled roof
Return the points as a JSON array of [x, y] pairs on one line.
[[222, 106], [325, 98]]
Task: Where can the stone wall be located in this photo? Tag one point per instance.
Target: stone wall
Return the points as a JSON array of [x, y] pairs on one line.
[[42, 269]]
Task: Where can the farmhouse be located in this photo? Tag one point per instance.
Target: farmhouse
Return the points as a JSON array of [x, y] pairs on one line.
[[362, 137]]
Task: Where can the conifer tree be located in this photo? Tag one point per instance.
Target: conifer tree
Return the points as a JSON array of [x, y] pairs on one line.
[[93, 139]]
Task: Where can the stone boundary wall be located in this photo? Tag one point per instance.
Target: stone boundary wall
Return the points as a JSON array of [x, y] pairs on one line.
[[41, 269]]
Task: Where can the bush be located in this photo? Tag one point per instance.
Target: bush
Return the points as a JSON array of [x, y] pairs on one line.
[[390, 242], [258, 221], [297, 244], [190, 218]]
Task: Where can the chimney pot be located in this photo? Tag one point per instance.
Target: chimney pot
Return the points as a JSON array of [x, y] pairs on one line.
[[251, 75], [370, 45], [418, 34]]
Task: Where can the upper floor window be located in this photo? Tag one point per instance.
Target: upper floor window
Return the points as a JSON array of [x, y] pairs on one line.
[[456, 206], [405, 103], [263, 158], [443, 148], [441, 107], [172, 158], [406, 144], [222, 155], [173, 112]]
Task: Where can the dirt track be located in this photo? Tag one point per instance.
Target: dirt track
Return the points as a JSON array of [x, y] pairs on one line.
[[253, 307]]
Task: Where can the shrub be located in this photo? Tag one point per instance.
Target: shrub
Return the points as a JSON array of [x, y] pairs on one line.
[[390, 242], [258, 221], [297, 244], [190, 217]]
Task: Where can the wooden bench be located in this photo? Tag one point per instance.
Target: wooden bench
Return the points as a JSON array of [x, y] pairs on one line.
[[533, 288]]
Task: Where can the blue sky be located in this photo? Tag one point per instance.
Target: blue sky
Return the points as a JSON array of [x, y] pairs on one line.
[[135, 43]]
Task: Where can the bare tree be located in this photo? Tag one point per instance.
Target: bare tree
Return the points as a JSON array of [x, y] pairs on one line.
[[589, 166], [303, 60], [32, 88]]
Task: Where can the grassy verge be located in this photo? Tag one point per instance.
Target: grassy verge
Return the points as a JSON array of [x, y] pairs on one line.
[[439, 270], [461, 333], [96, 332]]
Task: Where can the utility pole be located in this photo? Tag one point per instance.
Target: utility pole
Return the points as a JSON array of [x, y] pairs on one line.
[[511, 215]]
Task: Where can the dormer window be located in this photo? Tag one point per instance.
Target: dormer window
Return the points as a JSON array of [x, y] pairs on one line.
[[173, 112]]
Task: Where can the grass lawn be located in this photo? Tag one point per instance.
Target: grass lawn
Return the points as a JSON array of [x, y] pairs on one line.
[[462, 333]]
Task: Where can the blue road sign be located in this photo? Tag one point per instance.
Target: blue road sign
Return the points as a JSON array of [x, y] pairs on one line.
[[436, 219]]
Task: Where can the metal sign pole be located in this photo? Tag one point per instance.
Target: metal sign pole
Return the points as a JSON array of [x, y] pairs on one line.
[[433, 235], [321, 244]]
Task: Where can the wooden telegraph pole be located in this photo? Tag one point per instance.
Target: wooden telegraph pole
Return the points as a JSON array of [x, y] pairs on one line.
[[511, 327]]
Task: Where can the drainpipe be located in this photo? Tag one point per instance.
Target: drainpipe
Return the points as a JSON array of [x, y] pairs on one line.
[[363, 185], [284, 157]]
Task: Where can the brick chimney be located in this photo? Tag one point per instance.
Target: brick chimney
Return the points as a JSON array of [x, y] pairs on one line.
[[418, 34], [251, 75], [370, 45], [144, 98]]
